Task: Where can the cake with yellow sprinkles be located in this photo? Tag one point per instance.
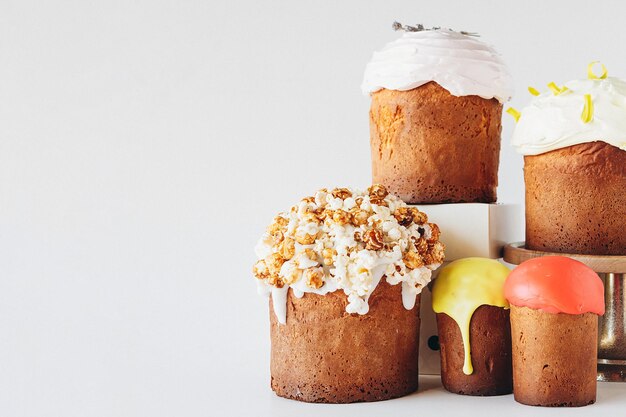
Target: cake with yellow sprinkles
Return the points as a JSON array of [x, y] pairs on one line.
[[344, 270], [573, 138]]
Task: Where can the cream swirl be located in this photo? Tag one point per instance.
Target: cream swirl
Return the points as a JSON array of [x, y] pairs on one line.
[[459, 63], [552, 121]]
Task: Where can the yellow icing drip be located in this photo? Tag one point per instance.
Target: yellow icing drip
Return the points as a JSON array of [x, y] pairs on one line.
[[592, 76], [464, 285], [587, 114], [533, 91], [515, 113]]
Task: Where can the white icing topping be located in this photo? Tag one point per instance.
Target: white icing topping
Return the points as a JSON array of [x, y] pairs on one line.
[[279, 302], [408, 296], [459, 63], [339, 255], [552, 122]]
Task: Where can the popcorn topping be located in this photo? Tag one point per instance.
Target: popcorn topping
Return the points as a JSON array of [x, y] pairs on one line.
[[348, 239]]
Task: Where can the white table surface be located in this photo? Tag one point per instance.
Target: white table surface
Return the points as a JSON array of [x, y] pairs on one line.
[[430, 400]]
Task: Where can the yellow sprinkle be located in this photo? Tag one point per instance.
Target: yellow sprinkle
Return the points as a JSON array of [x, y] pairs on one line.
[[533, 91], [516, 114], [556, 90], [587, 114], [592, 76]]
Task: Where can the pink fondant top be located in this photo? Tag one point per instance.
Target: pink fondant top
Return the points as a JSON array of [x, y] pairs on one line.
[[555, 284]]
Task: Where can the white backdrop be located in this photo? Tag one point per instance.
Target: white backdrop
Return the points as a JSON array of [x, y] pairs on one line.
[[145, 145]]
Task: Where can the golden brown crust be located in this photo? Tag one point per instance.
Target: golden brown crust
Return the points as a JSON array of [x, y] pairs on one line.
[[575, 200], [323, 354], [554, 357], [429, 146], [490, 343]]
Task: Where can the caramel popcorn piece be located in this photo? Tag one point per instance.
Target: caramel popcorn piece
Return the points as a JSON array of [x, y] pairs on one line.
[[418, 216], [378, 191], [274, 262], [314, 277], [287, 248], [342, 217], [311, 217], [260, 270], [373, 239], [277, 228], [413, 260], [421, 245], [311, 254], [305, 239], [435, 254], [379, 201], [279, 224], [342, 193], [434, 233], [278, 237], [359, 217], [404, 216], [276, 281]]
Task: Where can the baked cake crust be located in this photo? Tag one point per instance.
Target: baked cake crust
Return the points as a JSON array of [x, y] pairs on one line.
[[490, 341], [429, 146], [323, 354], [575, 200], [554, 357]]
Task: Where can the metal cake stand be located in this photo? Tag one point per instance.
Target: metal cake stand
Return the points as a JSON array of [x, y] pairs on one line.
[[612, 326]]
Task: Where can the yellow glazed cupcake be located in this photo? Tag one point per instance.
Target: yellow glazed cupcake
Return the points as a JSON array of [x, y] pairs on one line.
[[473, 326]]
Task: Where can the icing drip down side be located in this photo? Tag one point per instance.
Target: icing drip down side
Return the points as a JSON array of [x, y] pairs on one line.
[[464, 285]]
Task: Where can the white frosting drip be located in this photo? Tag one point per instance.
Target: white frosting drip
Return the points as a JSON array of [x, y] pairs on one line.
[[552, 122], [459, 63], [408, 296], [263, 289], [357, 305], [279, 302]]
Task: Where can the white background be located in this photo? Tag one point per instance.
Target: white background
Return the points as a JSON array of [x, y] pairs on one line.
[[145, 145]]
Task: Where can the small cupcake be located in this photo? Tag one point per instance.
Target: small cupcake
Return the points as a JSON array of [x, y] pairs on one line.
[[555, 303], [473, 326], [573, 139], [435, 117], [345, 269]]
